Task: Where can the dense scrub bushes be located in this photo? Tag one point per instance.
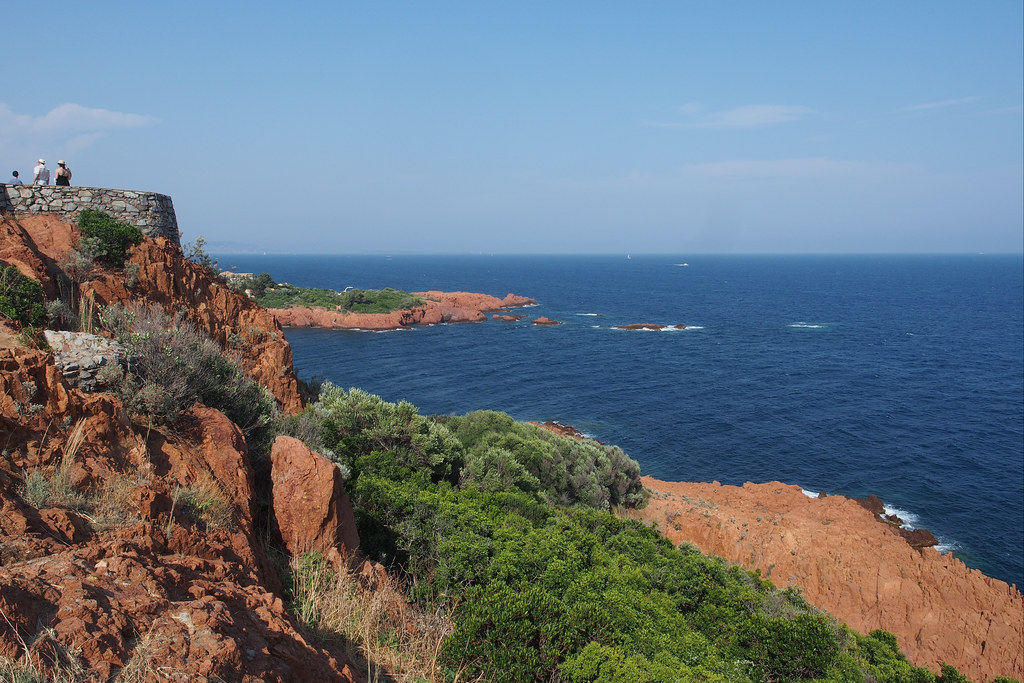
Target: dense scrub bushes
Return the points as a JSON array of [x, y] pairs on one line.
[[104, 239], [21, 298], [502, 454], [270, 294], [511, 525], [171, 365]]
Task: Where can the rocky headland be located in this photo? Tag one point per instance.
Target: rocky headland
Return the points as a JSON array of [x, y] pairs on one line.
[[851, 562], [439, 308]]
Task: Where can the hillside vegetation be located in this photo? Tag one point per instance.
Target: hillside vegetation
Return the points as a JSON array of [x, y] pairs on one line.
[[270, 294], [512, 527]]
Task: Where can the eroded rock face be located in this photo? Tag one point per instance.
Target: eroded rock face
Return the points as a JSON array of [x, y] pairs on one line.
[[127, 599], [855, 567], [439, 308], [141, 550], [244, 329], [35, 245], [38, 244], [311, 509]]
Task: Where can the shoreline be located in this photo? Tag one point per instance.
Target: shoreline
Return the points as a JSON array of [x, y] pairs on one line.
[[849, 558], [440, 308], [853, 564]]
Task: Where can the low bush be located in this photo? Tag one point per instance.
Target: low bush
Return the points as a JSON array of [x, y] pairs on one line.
[[104, 239], [502, 453], [172, 365], [273, 295], [21, 298]]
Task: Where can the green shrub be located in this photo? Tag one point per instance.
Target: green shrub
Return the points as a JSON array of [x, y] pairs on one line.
[[196, 253], [510, 524], [172, 365], [804, 646], [21, 298], [355, 300], [104, 239], [502, 453]]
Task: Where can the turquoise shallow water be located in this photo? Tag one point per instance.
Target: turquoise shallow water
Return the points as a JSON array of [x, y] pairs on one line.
[[894, 375]]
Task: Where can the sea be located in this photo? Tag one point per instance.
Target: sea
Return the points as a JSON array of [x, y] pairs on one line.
[[899, 376]]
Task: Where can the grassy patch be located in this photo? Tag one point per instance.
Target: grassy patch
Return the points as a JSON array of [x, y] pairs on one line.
[[270, 294]]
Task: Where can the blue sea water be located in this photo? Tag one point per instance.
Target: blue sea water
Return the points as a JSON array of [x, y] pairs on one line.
[[894, 375]]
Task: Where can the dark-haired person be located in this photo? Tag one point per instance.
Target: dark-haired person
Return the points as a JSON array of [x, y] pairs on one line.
[[63, 174], [15, 180]]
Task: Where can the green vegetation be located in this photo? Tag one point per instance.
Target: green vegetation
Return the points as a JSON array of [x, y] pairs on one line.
[[270, 294], [510, 528], [104, 239], [196, 253], [21, 298], [172, 365]]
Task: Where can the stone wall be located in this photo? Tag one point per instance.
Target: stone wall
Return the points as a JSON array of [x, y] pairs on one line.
[[82, 357], [151, 212]]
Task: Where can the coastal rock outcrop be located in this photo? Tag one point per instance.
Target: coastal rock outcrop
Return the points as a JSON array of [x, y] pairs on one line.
[[848, 563], [439, 308], [129, 547], [544, 320], [649, 326], [164, 569]]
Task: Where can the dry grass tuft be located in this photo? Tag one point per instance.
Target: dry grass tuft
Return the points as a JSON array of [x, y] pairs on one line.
[[57, 490], [45, 661], [111, 506], [399, 641], [206, 503]]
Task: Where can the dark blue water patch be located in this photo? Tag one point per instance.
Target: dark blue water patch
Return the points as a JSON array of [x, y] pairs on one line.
[[900, 376]]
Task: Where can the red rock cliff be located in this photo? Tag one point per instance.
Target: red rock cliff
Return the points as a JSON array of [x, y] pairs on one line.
[[129, 548], [856, 568], [108, 558], [38, 243]]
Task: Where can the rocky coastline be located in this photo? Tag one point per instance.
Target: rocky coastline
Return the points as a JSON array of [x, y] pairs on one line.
[[440, 308], [140, 578], [850, 560], [854, 564]]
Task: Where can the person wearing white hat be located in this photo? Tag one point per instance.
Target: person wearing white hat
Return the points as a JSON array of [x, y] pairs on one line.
[[63, 174], [42, 174]]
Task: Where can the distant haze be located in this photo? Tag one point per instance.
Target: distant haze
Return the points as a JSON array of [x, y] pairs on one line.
[[531, 127]]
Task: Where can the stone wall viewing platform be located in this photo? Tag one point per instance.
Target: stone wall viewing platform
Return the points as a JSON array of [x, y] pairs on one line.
[[151, 212]]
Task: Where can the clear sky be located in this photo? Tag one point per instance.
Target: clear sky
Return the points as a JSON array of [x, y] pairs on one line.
[[536, 127]]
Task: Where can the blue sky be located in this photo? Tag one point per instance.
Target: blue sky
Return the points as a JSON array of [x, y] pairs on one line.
[[536, 127]]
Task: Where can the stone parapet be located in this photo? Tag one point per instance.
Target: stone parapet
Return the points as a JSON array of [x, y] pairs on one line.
[[151, 212]]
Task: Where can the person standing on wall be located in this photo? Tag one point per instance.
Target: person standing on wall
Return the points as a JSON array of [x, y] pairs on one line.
[[63, 174], [42, 176], [15, 180]]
